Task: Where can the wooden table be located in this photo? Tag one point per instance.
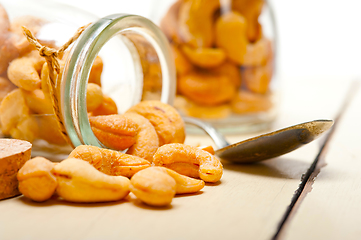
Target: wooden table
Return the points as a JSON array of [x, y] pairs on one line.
[[280, 198]]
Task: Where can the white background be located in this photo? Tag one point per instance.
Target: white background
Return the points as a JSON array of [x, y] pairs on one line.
[[317, 38]]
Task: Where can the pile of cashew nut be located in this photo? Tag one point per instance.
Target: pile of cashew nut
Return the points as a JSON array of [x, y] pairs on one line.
[[156, 167], [157, 164], [224, 62], [26, 110]]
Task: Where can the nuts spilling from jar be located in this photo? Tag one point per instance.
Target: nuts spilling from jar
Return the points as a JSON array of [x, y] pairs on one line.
[[157, 170], [92, 174], [156, 165], [75, 180], [224, 62]]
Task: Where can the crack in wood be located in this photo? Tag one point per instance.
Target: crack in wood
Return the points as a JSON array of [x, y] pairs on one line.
[[308, 179]]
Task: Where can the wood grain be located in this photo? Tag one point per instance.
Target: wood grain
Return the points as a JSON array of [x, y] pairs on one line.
[[331, 209], [248, 203]]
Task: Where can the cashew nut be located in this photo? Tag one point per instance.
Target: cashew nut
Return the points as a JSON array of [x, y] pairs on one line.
[[166, 120], [206, 88], [110, 162], [36, 180], [23, 74], [190, 161], [78, 181], [157, 186], [94, 97], [146, 141], [204, 57], [114, 131]]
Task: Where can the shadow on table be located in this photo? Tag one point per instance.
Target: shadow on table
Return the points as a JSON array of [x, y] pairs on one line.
[[276, 167], [57, 201], [142, 205]]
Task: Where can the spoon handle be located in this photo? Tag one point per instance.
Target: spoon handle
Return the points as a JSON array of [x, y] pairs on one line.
[[216, 136]]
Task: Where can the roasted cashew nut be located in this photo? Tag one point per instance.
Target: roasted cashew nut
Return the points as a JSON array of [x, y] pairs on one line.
[[78, 181], [184, 158], [165, 119], [110, 162], [157, 186], [36, 180]]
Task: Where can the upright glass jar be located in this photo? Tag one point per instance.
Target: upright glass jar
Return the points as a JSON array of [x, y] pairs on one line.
[[224, 52], [122, 58]]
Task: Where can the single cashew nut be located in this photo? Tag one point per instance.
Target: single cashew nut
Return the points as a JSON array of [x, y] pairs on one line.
[[207, 112], [23, 74], [114, 131], [258, 53], [36, 180], [78, 181], [166, 120], [182, 64], [110, 162], [196, 22], [257, 79], [205, 57], [94, 96], [146, 141], [37, 102], [187, 160], [184, 184], [25, 129], [209, 149], [248, 102], [231, 36], [37, 59], [231, 70], [96, 71], [251, 10], [153, 187], [107, 107], [206, 88], [12, 109]]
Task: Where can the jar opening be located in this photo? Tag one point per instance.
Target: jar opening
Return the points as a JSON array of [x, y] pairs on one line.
[[132, 31]]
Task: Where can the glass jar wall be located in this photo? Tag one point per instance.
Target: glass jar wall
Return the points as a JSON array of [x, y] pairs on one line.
[[118, 61], [224, 52]]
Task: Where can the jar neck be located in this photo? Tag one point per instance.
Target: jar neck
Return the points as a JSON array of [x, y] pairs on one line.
[[83, 53]]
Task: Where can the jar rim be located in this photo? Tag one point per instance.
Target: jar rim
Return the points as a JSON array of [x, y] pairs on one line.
[[78, 66]]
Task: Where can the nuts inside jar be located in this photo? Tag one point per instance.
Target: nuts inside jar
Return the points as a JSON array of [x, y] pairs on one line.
[[214, 45]]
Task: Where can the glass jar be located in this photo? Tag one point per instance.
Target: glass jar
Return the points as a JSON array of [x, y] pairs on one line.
[[123, 58], [224, 52]]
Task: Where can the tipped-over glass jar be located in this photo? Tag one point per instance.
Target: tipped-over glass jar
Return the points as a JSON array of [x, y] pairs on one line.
[[224, 52], [116, 62]]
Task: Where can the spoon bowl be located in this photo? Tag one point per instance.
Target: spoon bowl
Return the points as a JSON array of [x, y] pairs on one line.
[[267, 145]]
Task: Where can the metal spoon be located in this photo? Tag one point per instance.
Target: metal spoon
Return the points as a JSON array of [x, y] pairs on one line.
[[264, 146]]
